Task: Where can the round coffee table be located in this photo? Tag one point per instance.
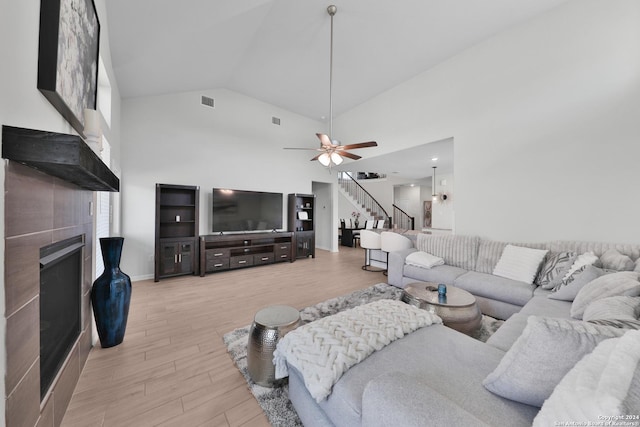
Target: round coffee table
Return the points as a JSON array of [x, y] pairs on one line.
[[458, 311], [269, 325]]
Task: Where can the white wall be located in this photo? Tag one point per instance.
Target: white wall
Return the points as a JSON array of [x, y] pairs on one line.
[[22, 105], [173, 139], [324, 224], [545, 121]]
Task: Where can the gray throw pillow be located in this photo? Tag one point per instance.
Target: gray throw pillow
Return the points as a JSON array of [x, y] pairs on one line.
[[554, 267], [544, 353], [606, 381], [610, 285], [614, 260], [620, 307], [617, 323], [569, 291], [619, 312]]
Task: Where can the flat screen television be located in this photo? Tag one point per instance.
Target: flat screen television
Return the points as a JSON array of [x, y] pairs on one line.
[[244, 211]]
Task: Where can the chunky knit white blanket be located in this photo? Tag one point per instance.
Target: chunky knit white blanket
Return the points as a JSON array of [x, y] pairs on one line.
[[325, 349]]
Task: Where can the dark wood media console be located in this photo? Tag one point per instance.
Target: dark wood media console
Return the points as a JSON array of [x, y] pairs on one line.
[[229, 251]]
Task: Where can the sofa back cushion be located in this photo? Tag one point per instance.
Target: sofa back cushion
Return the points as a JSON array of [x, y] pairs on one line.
[[490, 251], [456, 250], [598, 248]]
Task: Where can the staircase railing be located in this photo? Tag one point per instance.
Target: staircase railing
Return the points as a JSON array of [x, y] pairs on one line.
[[363, 198], [403, 220]]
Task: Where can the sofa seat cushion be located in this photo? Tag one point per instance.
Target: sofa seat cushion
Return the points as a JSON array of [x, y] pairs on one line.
[[440, 274], [540, 305], [509, 332], [448, 361], [495, 287], [413, 403]]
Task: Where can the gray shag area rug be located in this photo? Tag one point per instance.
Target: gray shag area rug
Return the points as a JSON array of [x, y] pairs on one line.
[[275, 401]]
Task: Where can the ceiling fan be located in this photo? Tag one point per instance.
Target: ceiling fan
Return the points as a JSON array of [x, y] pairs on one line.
[[331, 151]]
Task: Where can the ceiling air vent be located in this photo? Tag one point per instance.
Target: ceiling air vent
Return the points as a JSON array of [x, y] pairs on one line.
[[209, 102], [275, 120]]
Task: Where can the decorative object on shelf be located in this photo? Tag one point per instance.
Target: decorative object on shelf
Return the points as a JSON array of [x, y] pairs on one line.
[[68, 57], [111, 294], [332, 152], [93, 130]]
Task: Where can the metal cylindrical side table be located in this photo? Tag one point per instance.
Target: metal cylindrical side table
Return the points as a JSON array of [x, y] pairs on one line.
[[269, 325]]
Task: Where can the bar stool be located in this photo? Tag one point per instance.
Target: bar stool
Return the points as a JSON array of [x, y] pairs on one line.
[[370, 241], [390, 242]]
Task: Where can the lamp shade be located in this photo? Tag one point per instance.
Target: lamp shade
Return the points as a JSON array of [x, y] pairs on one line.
[[336, 158], [324, 159]]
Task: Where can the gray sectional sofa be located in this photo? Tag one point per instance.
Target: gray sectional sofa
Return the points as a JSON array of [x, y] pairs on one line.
[[434, 376]]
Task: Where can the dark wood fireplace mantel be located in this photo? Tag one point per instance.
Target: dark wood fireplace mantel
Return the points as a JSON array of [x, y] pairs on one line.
[[64, 156]]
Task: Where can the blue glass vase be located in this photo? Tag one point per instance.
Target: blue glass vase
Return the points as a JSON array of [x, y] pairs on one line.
[[111, 295]]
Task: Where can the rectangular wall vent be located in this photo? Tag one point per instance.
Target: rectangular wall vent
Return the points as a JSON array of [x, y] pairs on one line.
[[209, 102], [275, 120]]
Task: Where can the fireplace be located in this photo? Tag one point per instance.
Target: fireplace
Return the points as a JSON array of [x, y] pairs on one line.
[[60, 306], [49, 184]]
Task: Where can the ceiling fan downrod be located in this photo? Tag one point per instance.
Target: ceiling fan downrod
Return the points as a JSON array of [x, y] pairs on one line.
[[332, 9]]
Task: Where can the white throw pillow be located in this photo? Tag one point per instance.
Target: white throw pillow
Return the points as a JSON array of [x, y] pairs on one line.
[[624, 283], [597, 386], [423, 260], [587, 258], [519, 263], [543, 354]]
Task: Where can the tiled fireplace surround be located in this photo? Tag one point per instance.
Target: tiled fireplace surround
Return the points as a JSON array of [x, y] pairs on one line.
[[40, 210]]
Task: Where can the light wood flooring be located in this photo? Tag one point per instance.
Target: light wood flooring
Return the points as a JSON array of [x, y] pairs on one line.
[[173, 368]]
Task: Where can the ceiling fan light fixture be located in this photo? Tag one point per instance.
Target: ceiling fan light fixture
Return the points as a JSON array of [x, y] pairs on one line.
[[324, 159], [336, 158]]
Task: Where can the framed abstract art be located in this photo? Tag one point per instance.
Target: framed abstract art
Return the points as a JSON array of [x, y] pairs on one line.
[[426, 216], [68, 57]]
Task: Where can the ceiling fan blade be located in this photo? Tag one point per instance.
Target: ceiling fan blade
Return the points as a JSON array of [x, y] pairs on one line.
[[300, 148], [349, 155], [324, 139], [358, 145]]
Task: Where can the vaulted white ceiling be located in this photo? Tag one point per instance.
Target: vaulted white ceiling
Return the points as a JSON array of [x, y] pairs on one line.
[[277, 51]]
